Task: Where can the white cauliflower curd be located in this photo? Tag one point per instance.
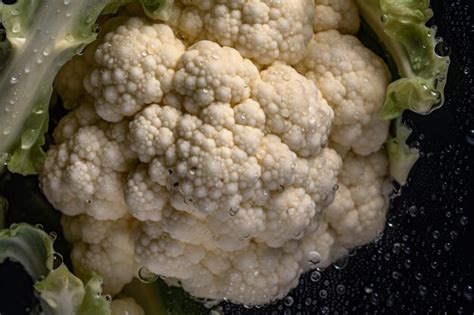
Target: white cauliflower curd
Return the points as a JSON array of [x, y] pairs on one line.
[[231, 149]]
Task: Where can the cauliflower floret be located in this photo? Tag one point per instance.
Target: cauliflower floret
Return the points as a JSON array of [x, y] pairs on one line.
[[145, 198], [135, 67], [296, 113], [318, 176], [357, 214], [256, 274], [353, 80], [293, 209], [83, 115], [105, 247], [86, 174], [208, 73], [341, 15], [262, 30]]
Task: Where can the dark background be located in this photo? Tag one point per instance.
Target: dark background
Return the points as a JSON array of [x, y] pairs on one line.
[[423, 263]]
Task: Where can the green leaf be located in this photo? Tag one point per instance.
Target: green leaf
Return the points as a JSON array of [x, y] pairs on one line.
[[59, 291], [42, 35], [402, 157], [401, 26]]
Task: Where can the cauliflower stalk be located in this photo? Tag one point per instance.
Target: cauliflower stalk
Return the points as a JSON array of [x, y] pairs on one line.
[[228, 149]]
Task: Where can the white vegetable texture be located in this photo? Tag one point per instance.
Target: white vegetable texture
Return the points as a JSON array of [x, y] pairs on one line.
[[232, 150]]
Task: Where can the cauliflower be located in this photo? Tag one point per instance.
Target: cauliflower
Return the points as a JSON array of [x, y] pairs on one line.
[[353, 80], [261, 30], [341, 15], [129, 76], [229, 158]]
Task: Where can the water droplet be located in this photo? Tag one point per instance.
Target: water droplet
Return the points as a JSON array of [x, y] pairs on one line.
[[57, 260], [233, 211], [288, 301], [468, 293], [314, 258], [15, 12], [422, 290], [286, 77], [96, 28], [315, 276], [27, 69], [67, 2], [323, 294], [47, 51], [146, 275], [470, 137], [335, 187], [39, 60], [384, 18], [340, 289], [108, 298], [16, 28], [375, 299], [13, 80], [442, 49], [39, 226], [215, 56], [341, 263], [192, 171], [413, 211], [464, 220], [53, 235]]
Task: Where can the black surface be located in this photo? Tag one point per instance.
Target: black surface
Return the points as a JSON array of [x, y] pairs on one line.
[[423, 263]]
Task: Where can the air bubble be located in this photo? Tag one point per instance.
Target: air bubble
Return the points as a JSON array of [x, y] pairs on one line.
[[146, 275], [288, 301]]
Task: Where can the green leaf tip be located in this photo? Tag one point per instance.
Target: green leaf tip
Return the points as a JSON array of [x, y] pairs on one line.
[[401, 26], [59, 291]]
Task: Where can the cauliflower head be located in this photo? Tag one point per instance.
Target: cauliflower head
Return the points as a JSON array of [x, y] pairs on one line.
[[228, 150]]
